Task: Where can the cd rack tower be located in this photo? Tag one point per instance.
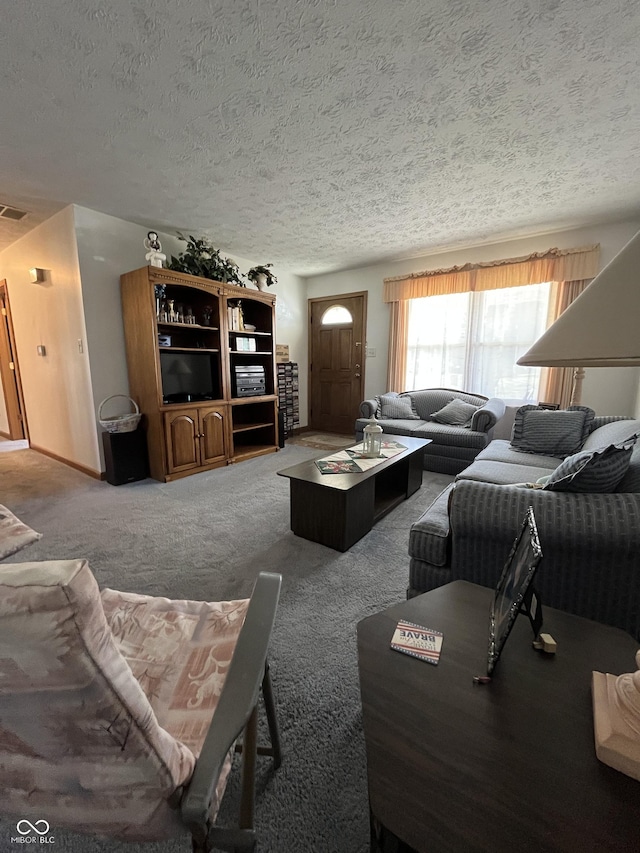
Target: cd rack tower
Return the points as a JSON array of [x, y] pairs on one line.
[[288, 395]]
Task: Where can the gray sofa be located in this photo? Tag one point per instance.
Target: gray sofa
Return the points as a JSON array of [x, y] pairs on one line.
[[453, 447], [590, 541]]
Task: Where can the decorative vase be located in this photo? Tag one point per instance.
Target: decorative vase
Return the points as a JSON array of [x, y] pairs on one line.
[[261, 281]]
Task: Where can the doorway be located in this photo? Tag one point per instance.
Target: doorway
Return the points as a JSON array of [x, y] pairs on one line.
[[9, 371], [336, 361]]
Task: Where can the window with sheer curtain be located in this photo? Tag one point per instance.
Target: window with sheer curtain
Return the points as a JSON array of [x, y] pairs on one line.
[[472, 341], [466, 326]]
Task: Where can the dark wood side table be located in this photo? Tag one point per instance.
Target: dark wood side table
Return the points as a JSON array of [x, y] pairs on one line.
[[505, 767], [338, 509]]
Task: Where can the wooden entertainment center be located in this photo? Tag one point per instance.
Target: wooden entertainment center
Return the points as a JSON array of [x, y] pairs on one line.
[[189, 375]]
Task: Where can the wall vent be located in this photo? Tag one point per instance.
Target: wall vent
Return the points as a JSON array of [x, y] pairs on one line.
[[8, 212]]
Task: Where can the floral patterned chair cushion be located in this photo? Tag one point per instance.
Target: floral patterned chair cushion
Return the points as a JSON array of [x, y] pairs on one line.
[[80, 736], [179, 652]]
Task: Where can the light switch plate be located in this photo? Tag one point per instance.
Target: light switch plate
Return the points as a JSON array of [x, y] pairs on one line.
[[371, 352]]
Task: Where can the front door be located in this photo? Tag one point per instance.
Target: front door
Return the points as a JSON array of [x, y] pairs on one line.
[[336, 361], [9, 371]]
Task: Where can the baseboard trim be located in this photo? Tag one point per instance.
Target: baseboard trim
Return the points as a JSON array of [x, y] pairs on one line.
[[96, 475]]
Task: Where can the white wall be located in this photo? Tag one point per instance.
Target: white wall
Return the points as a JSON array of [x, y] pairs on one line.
[[607, 390], [56, 387], [291, 328], [107, 248]]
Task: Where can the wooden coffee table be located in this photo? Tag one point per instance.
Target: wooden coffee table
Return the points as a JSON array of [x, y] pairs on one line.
[[338, 509], [505, 767]]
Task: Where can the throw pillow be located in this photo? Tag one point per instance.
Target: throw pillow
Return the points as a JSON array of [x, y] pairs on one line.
[[456, 413], [615, 432], [631, 480], [592, 470], [551, 432], [394, 406]]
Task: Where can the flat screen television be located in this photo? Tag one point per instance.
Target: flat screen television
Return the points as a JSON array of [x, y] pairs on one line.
[[188, 377], [514, 592]]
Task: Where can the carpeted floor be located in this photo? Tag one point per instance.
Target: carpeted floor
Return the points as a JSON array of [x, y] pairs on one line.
[[206, 537]]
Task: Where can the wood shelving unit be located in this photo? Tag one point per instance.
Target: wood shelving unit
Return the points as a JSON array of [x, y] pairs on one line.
[[195, 417], [187, 349], [251, 426]]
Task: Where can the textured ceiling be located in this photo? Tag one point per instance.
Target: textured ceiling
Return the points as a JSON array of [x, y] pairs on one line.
[[319, 135]]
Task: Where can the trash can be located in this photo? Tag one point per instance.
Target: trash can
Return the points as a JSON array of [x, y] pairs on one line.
[[125, 456]]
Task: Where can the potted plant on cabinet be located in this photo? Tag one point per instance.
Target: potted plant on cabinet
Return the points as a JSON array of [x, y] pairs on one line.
[[262, 276], [202, 259]]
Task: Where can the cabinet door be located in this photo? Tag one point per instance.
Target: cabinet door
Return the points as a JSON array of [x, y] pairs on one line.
[[213, 435], [181, 432]]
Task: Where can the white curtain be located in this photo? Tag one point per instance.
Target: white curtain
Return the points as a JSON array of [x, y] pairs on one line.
[[472, 341]]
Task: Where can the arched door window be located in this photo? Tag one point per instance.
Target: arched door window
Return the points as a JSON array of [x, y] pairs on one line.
[[336, 314]]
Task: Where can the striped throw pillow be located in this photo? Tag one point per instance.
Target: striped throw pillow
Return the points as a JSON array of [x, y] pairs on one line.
[[615, 432], [592, 470], [393, 406], [456, 413], [551, 432], [631, 480]]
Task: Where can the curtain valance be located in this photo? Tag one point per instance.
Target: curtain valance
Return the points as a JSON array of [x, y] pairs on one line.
[[552, 265]]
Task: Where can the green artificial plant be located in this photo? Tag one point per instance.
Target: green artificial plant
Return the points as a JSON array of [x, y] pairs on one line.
[[202, 259], [255, 272]]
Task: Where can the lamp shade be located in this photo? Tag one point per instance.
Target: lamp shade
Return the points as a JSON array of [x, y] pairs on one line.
[[600, 328]]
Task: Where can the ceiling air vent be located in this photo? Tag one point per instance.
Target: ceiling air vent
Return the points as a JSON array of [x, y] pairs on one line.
[[11, 212]]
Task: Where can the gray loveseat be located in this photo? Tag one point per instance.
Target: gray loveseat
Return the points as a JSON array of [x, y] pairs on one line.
[[590, 541], [453, 446]]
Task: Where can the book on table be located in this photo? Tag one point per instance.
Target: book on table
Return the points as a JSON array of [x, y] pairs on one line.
[[417, 641]]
